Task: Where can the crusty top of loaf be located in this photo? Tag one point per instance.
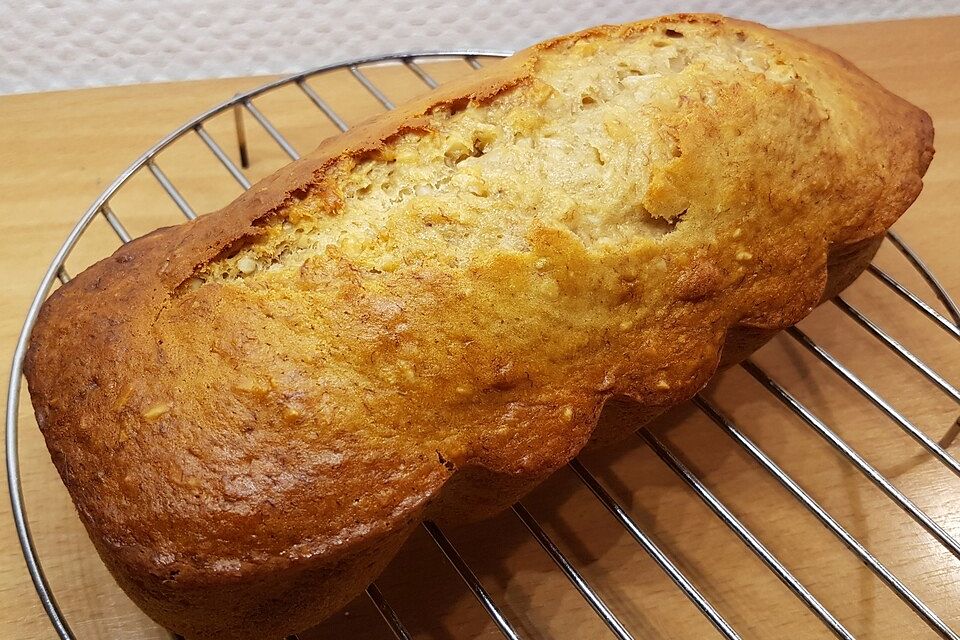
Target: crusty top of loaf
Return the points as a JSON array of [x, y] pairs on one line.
[[462, 282]]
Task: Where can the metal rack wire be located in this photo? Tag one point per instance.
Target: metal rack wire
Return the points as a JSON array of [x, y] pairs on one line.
[[244, 103]]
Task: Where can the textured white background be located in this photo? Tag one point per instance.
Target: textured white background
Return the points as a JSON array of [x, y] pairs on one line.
[[59, 44]]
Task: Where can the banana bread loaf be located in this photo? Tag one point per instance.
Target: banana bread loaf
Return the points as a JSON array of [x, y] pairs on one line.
[[425, 317]]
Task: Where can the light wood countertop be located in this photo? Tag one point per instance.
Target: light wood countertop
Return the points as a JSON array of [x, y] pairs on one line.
[[59, 150]]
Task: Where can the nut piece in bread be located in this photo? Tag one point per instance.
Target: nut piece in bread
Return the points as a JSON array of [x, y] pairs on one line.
[[425, 317]]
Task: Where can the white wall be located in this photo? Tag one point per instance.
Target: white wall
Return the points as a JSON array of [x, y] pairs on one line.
[[59, 44]]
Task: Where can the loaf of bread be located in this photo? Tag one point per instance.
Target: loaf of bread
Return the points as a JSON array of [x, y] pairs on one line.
[[425, 317]]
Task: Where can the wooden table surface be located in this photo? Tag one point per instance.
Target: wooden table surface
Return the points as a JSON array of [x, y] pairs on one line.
[[59, 150]]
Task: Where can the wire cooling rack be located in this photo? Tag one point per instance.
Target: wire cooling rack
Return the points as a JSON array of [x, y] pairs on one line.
[[246, 105]]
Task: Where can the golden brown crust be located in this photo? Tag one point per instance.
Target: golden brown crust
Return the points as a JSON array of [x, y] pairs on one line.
[[240, 483]]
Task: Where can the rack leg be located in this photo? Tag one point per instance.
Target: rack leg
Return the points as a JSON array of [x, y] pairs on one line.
[[951, 434], [241, 136]]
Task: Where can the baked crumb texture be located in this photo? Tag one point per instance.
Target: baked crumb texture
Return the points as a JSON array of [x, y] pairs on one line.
[[572, 148]]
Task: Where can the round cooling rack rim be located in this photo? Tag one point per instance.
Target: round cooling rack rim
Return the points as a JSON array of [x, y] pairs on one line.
[[949, 323]]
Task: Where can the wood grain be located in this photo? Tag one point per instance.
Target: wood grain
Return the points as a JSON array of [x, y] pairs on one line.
[[59, 150]]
